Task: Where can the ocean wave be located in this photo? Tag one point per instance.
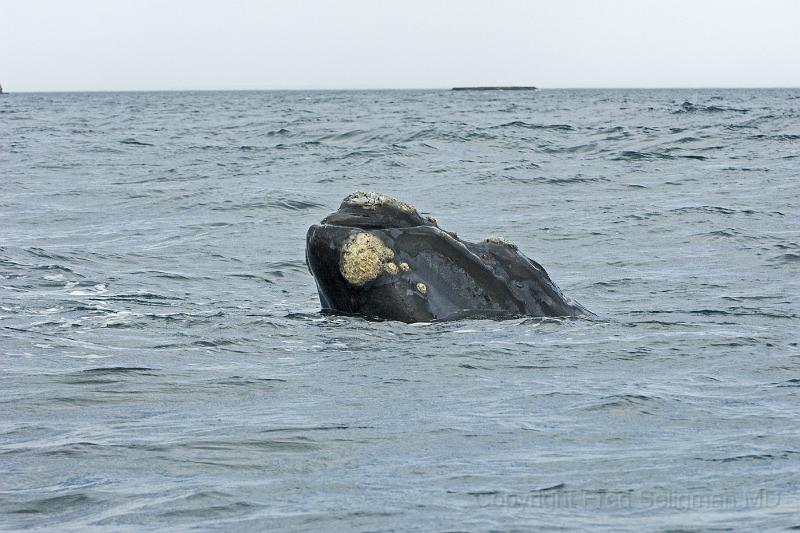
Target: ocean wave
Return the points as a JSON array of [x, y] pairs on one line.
[[641, 403], [134, 142], [634, 155], [788, 137], [532, 126], [786, 259], [689, 107]]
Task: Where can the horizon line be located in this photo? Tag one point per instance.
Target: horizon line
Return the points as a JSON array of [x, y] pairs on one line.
[[356, 89]]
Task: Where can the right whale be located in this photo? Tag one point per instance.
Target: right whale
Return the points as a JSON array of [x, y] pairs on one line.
[[379, 258]]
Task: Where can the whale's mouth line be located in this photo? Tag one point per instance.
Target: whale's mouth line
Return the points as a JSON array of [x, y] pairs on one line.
[[475, 314]]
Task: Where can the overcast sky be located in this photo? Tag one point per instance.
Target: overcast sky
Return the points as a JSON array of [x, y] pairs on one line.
[[51, 45]]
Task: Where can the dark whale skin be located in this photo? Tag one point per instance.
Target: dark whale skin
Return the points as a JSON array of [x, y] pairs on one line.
[[406, 268]]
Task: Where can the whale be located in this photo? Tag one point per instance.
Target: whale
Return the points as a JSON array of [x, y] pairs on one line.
[[377, 257]]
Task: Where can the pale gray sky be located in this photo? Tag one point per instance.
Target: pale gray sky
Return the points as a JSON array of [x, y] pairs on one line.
[[51, 45]]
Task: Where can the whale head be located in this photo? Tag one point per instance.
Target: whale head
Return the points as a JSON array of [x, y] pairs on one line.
[[352, 258]]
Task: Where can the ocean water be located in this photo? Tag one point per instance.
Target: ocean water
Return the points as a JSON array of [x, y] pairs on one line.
[[164, 364]]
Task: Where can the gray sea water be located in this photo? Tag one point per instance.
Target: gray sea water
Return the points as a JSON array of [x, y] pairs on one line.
[[164, 364]]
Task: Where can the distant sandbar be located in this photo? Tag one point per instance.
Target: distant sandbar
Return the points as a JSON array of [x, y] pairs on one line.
[[511, 88]]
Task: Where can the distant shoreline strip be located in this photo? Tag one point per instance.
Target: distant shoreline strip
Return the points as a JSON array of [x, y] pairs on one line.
[[511, 88]]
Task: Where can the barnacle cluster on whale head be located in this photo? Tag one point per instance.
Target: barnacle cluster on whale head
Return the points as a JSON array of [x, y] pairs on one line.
[[364, 258]]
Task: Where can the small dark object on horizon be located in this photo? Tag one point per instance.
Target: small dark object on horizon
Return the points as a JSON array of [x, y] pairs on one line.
[[511, 88]]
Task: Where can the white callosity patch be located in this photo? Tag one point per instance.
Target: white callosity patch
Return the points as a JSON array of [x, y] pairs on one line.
[[373, 200], [364, 258], [494, 239]]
